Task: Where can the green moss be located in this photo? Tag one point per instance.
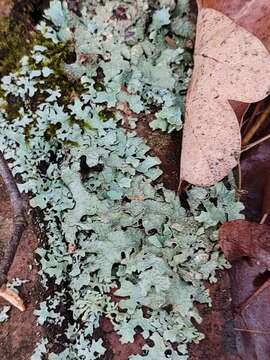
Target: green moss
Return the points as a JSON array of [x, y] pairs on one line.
[[12, 107], [27, 131], [82, 124], [71, 143], [15, 42], [98, 86], [58, 55], [51, 131], [105, 115]]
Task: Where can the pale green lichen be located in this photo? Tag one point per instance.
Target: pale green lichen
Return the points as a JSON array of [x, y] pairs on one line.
[[4, 313], [40, 350], [141, 70], [94, 184]]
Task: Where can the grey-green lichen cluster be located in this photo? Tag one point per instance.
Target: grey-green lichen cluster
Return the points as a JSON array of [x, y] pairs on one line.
[[117, 245]]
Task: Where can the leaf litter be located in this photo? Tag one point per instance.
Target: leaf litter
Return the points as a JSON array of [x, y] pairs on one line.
[[230, 63], [250, 271], [241, 238], [94, 183], [249, 280], [252, 15], [246, 245]]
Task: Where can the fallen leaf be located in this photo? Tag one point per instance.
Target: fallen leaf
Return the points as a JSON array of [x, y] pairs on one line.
[[256, 181], [250, 300], [241, 238], [253, 15], [247, 245], [250, 290], [229, 64], [13, 298]]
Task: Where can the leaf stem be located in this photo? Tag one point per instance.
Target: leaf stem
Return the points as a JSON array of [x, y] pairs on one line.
[[262, 332], [255, 143], [258, 123]]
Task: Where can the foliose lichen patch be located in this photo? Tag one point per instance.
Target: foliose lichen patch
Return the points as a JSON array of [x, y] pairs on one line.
[[110, 231]]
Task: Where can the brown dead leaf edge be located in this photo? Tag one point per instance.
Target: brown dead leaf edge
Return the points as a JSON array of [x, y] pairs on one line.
[[253, 15], [230, 63]]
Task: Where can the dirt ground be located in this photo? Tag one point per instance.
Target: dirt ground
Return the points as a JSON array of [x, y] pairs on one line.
[[19, 335]]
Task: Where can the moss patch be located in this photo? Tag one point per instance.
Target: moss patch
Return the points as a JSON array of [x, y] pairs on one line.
[[58, 55], [15, 42]]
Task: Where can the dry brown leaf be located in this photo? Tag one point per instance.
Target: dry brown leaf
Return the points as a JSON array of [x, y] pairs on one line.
[[229, 64], [247, 244], [244, 239], [13, 298], [253, 15]]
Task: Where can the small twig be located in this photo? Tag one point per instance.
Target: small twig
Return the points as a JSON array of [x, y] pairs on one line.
[[239, 178], [258, 123], [249, 121], [179, 186], [262, 332], [170, 41], [12, 297], [182, 186], [253, 116], [264, 218], [19, 220], [241, 122], [266, 199], [255, 143]]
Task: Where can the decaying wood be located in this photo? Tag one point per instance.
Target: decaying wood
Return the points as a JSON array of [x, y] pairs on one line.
[[19, 219]]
